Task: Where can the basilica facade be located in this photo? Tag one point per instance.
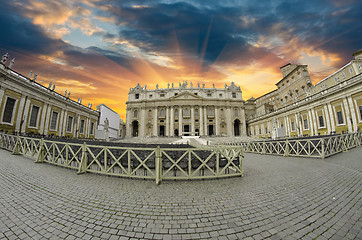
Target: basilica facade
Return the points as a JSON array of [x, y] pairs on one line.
[[185, 110]]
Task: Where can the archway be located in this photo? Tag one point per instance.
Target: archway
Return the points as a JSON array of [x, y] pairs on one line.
[[176, 132], [237, 127], [186, 130], [135, 128], [211, 130], [162, 131], [197, 132]]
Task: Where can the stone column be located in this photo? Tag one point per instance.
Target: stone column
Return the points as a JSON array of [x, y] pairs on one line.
[[167, 122], [333, 125], [328, 119], [310, 122], [47, 120], [155, 122], [229, 124], [201, 121], [60, 123], [205, 121], [43, 118], [172, 122], [243, 122], [353, 113], [314, 122], [192, 121], [180, 130], [20, 116], [297, 125], [287, 132], [217, 130], [65, 122], [348, 115], [143, 122], [128, 122]]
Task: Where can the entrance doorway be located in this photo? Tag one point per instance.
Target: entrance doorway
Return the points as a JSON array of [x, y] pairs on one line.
[[211, 130], [237, 127], [186, 130], [162, 131], [197, 132], [135, 128], [176, 132]]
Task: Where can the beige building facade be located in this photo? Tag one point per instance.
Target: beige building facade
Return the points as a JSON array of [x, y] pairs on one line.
[[185, 110], [27, 107], [333, 105]]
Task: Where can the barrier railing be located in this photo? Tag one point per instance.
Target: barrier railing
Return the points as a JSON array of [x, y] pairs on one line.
[[147, 163], [318, 147]]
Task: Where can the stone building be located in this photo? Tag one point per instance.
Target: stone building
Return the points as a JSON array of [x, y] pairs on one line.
[[297, 107], [27, 107], [185, 110], [109, 123]]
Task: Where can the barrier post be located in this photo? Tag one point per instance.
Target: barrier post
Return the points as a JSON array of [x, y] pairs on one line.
[[158, 164], [84, 161]]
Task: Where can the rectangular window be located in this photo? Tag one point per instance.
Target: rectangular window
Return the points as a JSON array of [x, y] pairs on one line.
[[81, 129], [351, 69], [9, 108], [340, 117], [234, 95], [209, 94], [69, 124], [53, 121], [92, 128], [137, 96], [321, 121], [259, 130], [305, 124], [266, 130], [293, 126], [34, 116]]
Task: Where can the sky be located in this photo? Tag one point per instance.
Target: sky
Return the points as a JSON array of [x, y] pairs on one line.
[[98, 49]]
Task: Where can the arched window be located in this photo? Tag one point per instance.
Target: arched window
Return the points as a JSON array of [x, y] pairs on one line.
[[196, 112], [162, 112], [176, 112], [209, 113], [135, 113], [186, 112]]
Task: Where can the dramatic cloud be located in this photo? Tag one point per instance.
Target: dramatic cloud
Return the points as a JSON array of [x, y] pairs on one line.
[[98, 49]]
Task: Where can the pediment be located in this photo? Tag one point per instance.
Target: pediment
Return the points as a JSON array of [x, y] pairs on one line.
[[186, 95]]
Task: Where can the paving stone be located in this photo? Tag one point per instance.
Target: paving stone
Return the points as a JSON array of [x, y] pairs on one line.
[[277, 198]]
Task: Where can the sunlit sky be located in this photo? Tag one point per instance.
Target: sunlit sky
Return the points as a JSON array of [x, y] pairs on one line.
[[98, 49]]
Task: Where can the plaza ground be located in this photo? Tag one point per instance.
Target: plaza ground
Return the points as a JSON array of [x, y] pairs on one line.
[[278, 198]]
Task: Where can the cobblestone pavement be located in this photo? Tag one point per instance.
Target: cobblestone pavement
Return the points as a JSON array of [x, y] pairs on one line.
[[278, 198]]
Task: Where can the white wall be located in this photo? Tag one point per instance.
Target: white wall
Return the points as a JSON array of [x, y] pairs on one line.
[[113, 118]]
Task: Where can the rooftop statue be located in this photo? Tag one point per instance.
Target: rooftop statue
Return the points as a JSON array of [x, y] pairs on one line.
[[30, 74], [11, 64], [5, 58]]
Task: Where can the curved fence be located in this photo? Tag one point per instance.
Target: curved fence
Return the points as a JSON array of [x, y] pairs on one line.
[[318, 147], [147, 163]]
